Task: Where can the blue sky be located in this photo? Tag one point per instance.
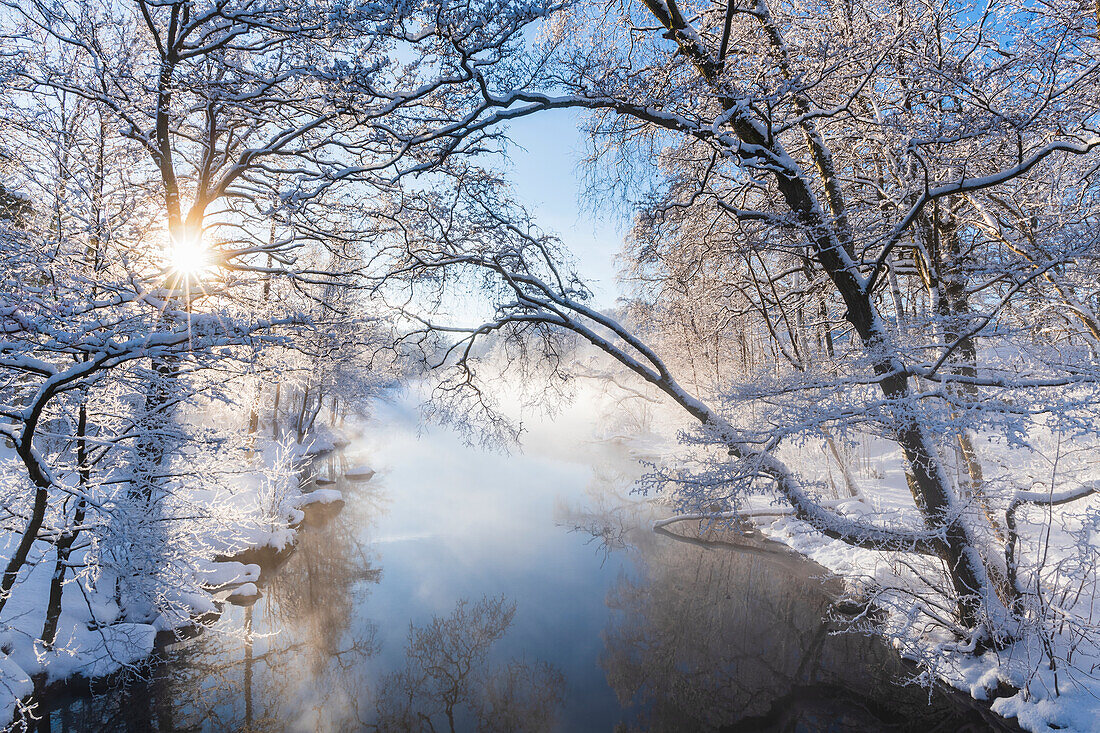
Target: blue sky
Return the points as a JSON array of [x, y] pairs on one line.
[[548, 179]]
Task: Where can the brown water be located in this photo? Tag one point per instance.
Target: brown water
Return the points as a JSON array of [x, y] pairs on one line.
[[488, 591]]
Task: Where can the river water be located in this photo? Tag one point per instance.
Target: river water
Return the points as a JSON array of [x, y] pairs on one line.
[[491, 591]]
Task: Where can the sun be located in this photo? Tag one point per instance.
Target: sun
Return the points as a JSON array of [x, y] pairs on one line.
[[188, 255]]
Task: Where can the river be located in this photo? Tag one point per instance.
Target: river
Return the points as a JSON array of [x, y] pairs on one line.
[[527, 590]]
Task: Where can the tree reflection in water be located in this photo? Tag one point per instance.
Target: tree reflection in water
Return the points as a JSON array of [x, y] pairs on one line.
[[730, 632], [448, 683], [295, 661], [701, 636], [298, 658], [714, 636]]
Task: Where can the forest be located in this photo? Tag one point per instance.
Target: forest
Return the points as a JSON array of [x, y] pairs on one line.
[[858, 287]]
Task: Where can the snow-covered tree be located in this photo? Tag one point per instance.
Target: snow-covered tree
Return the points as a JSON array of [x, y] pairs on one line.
[[187, 186], [858, 211]]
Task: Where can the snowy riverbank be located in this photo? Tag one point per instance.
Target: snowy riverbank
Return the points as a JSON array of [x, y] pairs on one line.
[[1019, 681], [109, 623]]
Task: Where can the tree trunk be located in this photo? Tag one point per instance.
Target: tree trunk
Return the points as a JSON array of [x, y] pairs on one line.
[[68, 538], [19, 557], [947, 286], [275, 410], [300, 428], [24, 447], [850, 482], [254, 421]]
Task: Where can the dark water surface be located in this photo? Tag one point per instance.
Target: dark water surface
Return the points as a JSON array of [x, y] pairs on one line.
[[522, 592]]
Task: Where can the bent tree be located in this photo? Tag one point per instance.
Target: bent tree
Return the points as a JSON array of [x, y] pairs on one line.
[[908, 186]]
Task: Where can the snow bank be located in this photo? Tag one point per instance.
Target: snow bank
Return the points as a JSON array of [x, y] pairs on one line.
[[227, 572], [15, 684], [320, 496], [359, 473], [1022, 666], [257, 515], [1017, 681], [244, 594]]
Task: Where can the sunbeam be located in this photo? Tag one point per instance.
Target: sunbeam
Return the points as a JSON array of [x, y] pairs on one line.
[[188, 256]]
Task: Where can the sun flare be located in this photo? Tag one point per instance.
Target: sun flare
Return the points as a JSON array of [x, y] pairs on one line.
[[189, 256]]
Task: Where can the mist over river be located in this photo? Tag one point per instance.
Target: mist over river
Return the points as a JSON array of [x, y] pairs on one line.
[[556, 606]]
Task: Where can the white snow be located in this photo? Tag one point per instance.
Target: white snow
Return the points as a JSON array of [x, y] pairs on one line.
[[359, 473], [95, 640], [320, 496]]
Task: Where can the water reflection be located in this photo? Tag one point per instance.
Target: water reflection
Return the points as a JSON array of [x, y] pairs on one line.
[[299, 658], [732, 635], [292, 661], [448, 683], [608, 627]]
